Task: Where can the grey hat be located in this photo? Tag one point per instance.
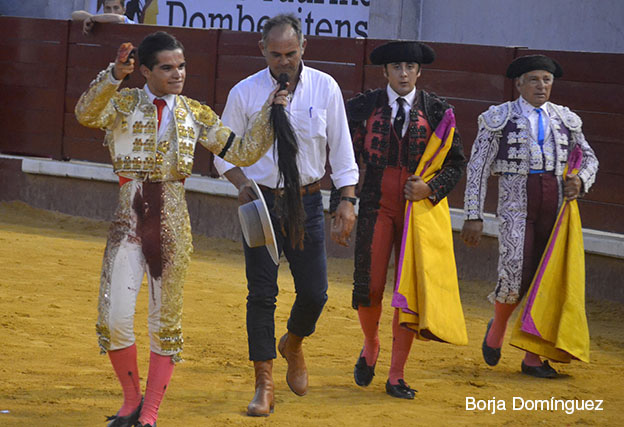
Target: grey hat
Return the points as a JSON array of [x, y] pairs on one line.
[[256, 224]]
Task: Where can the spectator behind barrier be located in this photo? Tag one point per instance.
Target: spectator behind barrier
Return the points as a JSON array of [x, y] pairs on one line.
[[113, 12]]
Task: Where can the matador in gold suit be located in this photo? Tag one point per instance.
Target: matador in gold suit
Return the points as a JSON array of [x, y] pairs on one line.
[[151, 133]]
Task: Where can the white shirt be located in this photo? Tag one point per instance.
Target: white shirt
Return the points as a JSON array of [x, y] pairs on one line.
[[540, 157], [167, 112], [394, 104], [318, 117], [529, 112]]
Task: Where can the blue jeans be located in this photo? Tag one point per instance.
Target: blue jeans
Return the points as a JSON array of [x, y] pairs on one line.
[[309, 271]]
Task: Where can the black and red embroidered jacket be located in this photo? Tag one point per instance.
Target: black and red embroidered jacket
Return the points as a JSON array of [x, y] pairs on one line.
[[369, 121]]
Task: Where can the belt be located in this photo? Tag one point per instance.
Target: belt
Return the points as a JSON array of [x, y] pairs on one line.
[[123, 180], [315, 187], [541, 171]]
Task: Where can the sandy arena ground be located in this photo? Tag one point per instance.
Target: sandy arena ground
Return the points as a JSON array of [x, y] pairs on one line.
[[51, 373]]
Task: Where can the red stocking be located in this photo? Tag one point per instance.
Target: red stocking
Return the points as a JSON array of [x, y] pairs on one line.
[[401, 344], [369, 320]]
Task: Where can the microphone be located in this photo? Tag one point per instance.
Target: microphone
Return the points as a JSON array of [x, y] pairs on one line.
[[282, 79]]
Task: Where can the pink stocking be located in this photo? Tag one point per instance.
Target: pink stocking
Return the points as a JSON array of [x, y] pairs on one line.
[[160, 371], [502, 313], [532, 359], [124, 363]]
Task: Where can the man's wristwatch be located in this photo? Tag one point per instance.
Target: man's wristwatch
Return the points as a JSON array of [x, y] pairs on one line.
[[349, 199]]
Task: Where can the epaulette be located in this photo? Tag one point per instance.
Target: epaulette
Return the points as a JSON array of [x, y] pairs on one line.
[[570, 119], [360, 107], [201, 113], [496, 117], [126, 100], [434, 107]]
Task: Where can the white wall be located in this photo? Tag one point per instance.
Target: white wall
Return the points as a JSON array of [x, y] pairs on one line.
[[578, 25], [395, 19]]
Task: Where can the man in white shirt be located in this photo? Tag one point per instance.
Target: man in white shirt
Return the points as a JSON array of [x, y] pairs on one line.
[[526, 143], [316, 113]]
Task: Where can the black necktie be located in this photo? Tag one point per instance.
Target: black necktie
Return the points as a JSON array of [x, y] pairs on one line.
[[399, 119]]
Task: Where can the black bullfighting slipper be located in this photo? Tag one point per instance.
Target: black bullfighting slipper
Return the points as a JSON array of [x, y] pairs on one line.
[[363, 374], [129, 420], [543, 371], [490, 355], [400, 390]]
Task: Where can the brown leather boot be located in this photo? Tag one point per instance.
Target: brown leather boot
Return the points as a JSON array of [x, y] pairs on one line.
[[297, 374], [262, 403]]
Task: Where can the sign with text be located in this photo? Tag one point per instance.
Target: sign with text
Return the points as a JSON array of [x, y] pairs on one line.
[[338, 18]]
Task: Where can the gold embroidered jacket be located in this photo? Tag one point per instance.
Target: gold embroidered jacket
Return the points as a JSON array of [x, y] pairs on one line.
[[130, 122]]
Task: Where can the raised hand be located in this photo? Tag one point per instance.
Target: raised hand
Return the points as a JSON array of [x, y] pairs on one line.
[[124, 62]]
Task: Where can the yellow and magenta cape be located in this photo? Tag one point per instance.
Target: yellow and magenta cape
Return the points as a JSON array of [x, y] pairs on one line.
[[553, 323], [426, 290]]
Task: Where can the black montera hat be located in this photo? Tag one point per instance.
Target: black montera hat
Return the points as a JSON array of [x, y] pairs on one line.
[[403, 51], [527, 63]]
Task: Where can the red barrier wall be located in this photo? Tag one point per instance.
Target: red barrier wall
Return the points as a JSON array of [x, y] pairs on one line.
[[33, 54], [48, 63]]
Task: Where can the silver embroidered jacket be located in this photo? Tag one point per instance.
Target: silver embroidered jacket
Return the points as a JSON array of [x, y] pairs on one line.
[[130, 122], [502, 147]]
